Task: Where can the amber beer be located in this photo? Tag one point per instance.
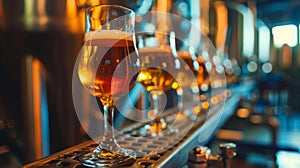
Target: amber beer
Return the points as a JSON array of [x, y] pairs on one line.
[[109, 48]]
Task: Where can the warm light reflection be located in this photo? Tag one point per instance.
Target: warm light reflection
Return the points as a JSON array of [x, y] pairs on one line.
[[175, 85], [39, 109], [197, 110], [242, 113], [229, 134], [204, 16], [72, 17], [162, 20], [152, 114], [1, 14], [215, 100], [285, 34], [41, 7], [28, 8], [36, 107], [222, 25], [256, 119], [205, 105], [71, 8], [217, 83], [286, 58], [28, 12], [1, 10], [36, 16]]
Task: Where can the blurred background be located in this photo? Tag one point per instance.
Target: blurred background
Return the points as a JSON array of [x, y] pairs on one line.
[[258, 41]]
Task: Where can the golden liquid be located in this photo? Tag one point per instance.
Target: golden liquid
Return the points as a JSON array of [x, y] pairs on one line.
[[157, 69], [155, 78]]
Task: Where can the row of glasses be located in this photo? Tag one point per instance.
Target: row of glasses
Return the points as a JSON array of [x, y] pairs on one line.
[[110, 65]]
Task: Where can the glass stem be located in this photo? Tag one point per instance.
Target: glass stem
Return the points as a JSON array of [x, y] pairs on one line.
[[108, 139], [157, 120], [155, 105], [179, 96]]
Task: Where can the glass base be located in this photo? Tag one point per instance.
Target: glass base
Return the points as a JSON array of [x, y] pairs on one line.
[[105, 158], [157, 128]]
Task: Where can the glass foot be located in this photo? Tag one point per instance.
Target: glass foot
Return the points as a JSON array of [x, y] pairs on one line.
[[157, 128], [105, 158]]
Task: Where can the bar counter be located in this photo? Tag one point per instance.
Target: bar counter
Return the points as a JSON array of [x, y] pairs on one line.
[[176, 155]]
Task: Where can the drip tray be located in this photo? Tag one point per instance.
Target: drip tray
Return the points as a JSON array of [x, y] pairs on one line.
[[167, 150]]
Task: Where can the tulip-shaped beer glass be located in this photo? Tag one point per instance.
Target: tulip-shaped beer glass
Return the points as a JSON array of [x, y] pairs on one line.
[[159, 67], [107, 61]]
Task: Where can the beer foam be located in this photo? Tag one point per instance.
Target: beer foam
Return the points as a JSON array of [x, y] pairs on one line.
[[154, 49], [107, 34]]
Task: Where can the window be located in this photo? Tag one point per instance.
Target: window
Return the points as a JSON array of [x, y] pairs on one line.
[[285, 34]]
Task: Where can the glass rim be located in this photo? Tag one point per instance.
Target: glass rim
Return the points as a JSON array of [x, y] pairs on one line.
[[130, 11]]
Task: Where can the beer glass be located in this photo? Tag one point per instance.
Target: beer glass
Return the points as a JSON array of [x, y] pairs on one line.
[[108, 58], [159, 68]]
